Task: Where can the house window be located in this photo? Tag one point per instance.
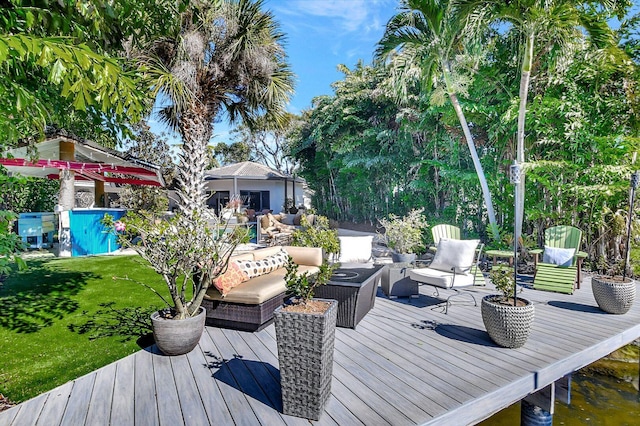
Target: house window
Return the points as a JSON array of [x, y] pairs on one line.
[[218, 200], [257, 200]]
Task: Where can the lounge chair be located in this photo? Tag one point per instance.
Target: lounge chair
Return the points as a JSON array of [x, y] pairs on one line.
[[561, 265], [452, 268], [444, 231], [453, 232]]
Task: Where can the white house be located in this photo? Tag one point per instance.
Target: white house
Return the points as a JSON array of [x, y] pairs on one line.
[[259, 186]]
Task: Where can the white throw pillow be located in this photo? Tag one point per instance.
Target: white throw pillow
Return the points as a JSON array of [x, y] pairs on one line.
[[458, 254], [558, 256], [355, 249]]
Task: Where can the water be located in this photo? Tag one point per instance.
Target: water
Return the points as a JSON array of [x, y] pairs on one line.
[[604, 393]]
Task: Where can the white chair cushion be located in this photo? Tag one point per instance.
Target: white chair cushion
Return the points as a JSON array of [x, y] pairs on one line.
[[355, 249], [440, 279], [458, 254], [558, 256]]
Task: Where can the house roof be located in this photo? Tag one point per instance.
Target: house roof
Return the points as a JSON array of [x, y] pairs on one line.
[[248, 170], [93, 162]]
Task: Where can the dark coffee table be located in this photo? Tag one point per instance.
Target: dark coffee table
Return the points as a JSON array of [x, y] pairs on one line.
[[355, 290]]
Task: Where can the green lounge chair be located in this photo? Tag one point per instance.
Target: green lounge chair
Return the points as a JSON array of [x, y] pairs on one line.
[[445, 231], [552, 277], [453, 233]]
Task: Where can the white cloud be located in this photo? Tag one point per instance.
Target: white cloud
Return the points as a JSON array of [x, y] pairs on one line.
[[346, 16]]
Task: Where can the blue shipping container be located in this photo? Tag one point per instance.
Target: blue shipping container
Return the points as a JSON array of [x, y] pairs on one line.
[[88, 235]]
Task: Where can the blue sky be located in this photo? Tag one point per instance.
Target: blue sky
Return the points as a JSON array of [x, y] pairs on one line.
[[320, 35]]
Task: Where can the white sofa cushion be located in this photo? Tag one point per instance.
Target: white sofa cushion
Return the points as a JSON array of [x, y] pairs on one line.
[[458, 254], [439, 278], [355, 249]]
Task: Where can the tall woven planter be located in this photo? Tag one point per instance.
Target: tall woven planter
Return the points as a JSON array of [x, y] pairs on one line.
[[508, 326], [613, 296], [305, 354], [177, 337]]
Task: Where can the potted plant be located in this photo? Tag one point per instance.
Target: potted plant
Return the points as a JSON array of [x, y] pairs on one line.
[[318, 234], [616, 294], [189, 252], [404, 234], [613, 294], [507, 323], [305, 334]]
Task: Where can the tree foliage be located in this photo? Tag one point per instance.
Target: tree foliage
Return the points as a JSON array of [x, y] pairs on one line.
[[60, 65], [235, 152], [268, 142], [154, 149], [366, 155], [225, 56]]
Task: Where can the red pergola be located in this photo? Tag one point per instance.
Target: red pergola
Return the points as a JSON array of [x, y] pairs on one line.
[[91, 162], [90, 171]]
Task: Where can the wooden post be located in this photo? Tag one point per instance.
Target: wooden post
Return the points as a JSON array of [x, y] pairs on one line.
[[99, 195], [286, 210]]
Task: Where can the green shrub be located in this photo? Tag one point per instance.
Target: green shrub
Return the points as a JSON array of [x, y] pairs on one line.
[[317, 235]]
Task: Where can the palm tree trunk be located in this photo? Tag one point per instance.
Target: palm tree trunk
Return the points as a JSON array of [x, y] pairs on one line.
[[525, 78], [474, 154], [195, 129]]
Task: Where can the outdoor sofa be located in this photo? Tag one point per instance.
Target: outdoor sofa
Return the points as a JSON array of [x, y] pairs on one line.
[[273, 228], [249, 306]]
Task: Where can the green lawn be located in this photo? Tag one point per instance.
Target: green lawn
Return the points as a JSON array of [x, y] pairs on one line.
[[39, 346]]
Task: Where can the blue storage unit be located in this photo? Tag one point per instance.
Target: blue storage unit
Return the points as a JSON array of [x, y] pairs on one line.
[[88, 235], [37, 228]]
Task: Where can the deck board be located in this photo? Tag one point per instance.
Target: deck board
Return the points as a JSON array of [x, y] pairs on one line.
[[53, 410], [28, 413], [166, 392], [146, 409], [405, 363], [210, 394], [78, 405]]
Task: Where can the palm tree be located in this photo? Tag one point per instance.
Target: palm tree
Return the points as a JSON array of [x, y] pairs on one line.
[[225, 57], [426, 34], [558, 23]]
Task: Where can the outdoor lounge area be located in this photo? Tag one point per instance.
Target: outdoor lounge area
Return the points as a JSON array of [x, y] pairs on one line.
[[405, 364], [244, 212]]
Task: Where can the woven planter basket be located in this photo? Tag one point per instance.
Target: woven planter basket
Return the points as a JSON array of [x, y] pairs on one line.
[[508, 326], [305, 354], [612, 296]]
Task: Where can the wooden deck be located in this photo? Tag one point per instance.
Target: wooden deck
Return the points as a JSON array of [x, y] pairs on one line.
[[406, 363]]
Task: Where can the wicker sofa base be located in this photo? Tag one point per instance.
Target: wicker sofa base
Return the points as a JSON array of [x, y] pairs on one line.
[[241, 316]]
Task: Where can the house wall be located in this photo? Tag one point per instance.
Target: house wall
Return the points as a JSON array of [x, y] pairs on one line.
[[275, 188]]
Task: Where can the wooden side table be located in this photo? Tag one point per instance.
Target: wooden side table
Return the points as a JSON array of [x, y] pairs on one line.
[[396, 282], [500, 253]]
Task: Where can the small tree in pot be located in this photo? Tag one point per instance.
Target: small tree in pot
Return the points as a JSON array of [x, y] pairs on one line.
[[189, 253], [507, 323], [404, 234], [305, 333], [616, 294]]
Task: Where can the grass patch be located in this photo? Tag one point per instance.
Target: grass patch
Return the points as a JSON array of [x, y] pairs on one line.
[[44, 308]]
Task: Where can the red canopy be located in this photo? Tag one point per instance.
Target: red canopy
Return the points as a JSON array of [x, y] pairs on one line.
[[89, 171], [92, 162]]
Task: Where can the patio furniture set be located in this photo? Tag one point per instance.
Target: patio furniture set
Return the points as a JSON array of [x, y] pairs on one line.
[[249, 305]]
